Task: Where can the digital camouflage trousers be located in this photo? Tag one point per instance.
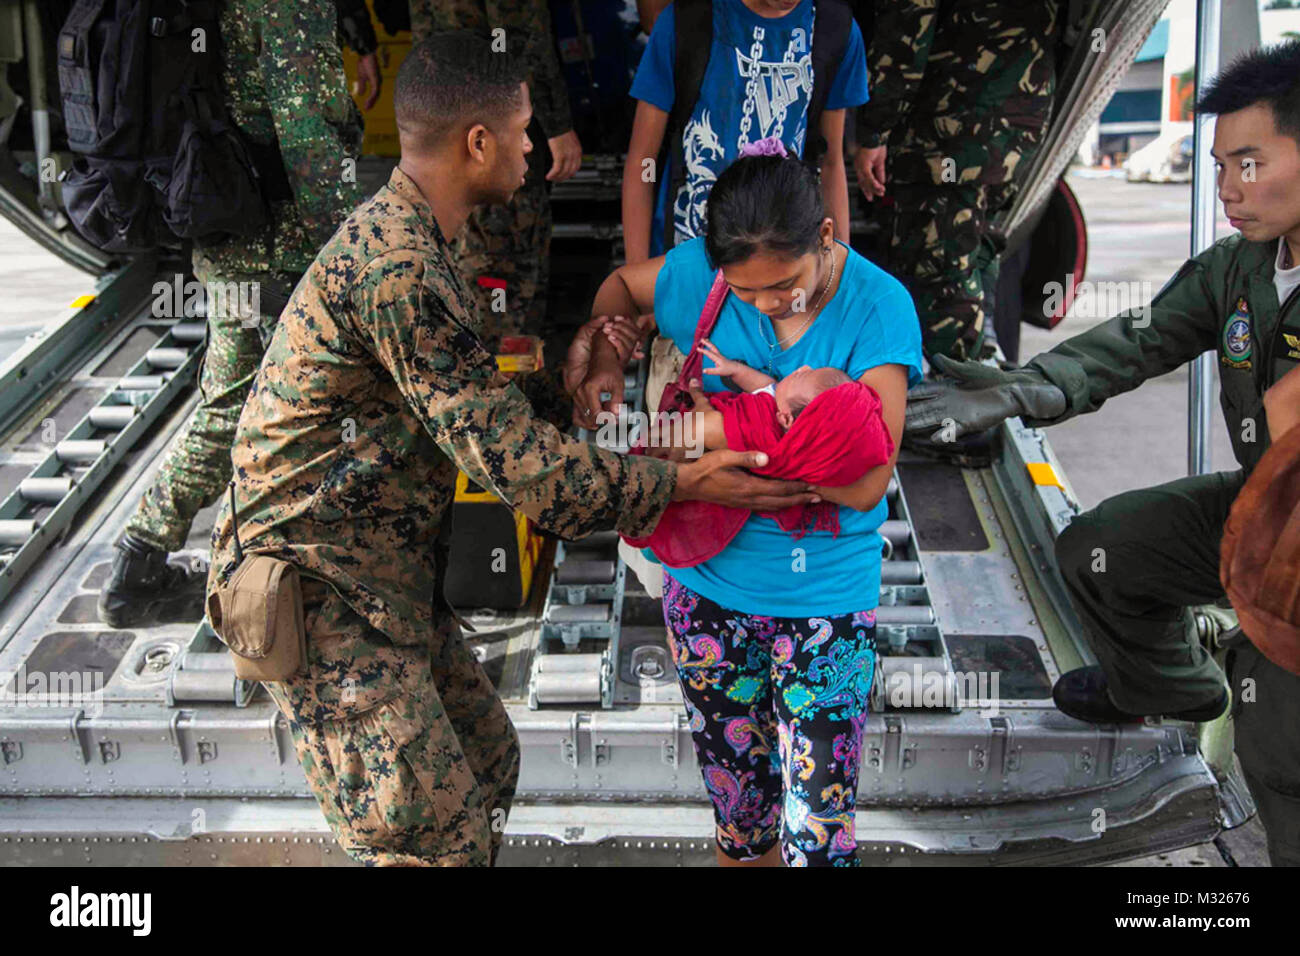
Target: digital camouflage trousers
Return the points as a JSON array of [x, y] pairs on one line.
[[408, 750], [197, 465]]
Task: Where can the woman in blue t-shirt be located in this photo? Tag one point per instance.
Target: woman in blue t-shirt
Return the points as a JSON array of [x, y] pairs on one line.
[[774, 637]]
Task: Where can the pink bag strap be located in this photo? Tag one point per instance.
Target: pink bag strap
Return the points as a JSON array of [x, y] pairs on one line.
[[704, 328]]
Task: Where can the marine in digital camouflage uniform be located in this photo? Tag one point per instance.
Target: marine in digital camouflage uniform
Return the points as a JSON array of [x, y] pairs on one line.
[[375, 388], [283, 76], [961, 94], [510, 243]]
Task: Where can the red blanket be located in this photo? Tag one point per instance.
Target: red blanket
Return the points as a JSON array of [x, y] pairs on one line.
[[837, 439]]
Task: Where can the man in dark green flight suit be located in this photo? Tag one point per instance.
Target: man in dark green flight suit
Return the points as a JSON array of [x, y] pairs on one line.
[[1135, 563]]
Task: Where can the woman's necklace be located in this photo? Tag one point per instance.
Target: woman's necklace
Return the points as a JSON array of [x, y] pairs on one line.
[[771, 349]]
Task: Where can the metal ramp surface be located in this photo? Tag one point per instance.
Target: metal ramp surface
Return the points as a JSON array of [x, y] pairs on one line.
[[164, 728]]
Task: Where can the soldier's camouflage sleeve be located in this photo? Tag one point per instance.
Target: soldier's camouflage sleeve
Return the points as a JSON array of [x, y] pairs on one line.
[[545, 392], [316, 122], [899, 49], [529, 22], [355, 26], [484, 423]]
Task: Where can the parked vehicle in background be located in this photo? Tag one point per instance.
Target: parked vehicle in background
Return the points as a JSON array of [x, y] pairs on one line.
[[1166, 159]]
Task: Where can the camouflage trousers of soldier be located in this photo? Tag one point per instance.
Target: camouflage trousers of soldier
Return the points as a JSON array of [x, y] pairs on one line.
[[942, 249], [408, 750], [942, 243], [502, 252], [197, 466]]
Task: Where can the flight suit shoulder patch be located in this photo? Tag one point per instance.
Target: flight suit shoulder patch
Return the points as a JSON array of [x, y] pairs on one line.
[[1235, 344]]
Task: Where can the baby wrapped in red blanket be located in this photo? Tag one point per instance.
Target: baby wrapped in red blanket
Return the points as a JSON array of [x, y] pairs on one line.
[[815, 425]]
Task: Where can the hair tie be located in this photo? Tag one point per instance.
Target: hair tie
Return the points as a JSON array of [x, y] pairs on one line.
[[767, 146]]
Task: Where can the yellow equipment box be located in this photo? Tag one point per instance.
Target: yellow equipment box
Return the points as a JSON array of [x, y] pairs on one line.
[[494, 550]]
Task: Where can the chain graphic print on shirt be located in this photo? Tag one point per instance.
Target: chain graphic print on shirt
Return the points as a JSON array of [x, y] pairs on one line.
[[771, 88]]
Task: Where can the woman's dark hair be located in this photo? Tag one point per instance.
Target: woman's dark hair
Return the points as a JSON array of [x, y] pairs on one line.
[[764, 204]]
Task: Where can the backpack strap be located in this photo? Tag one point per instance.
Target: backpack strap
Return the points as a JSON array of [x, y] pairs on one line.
[[694, 363], [832, 26], [180, 21], [76, 79], [693, 43]]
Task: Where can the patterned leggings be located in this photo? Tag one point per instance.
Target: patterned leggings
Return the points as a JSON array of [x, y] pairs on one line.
[[749, 681]]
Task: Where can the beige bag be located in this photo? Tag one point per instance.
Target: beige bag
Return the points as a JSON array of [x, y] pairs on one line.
[[665, 366], [259, 617]]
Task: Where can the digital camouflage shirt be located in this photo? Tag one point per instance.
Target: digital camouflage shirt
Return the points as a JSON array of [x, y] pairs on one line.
[[282, 71], [375, 387]]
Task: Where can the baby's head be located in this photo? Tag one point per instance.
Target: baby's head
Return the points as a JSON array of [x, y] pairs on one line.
[[794, 392]]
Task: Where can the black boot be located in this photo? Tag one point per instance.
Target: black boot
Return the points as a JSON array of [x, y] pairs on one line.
[[1082, 694], [142, 581]]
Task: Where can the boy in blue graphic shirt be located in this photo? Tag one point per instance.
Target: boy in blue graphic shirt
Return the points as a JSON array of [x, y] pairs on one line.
[[758, 83]]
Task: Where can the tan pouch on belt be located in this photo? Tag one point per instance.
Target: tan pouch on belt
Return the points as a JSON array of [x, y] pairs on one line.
[[259, 617]]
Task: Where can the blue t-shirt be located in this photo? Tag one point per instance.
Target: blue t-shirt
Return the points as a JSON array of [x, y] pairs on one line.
[[777, 52], [870, 321]]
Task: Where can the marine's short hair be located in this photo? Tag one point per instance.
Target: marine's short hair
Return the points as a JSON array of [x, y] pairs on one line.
[[453, 79], [1268, 75]]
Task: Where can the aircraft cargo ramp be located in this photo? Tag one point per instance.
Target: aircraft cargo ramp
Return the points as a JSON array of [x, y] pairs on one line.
[[139, 746]]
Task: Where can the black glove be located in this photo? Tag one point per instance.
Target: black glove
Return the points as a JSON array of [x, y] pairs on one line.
[[979, 397]]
